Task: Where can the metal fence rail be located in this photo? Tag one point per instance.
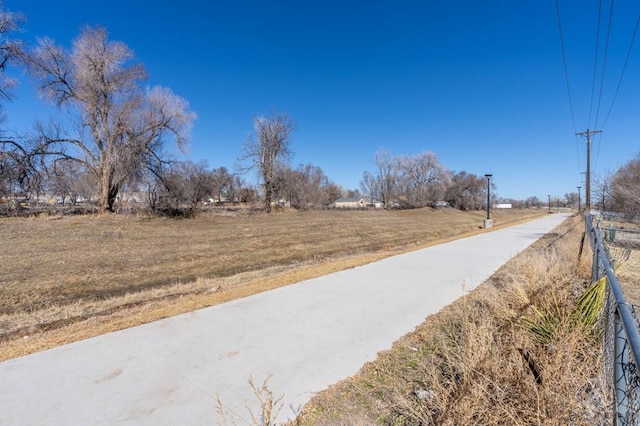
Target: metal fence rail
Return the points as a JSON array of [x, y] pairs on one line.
[[621, 338]]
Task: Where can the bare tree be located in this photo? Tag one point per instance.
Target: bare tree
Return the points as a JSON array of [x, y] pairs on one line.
[[123, 127], [10, 49], [269, 151], [571, 199], [234, 188], [351, 193], [223, 183], [602, 191], [14, 168], [423, 179], [387, 176], [532, 202], [61, 178], [369, 186], [626, 187], [412, 180], [467, 191], [17, 173], [308, 187], [189, 183]]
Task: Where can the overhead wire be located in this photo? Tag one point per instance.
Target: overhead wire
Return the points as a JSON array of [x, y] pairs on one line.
[[595, 62], [624, 68], [604, 63], [595, 67], [604, 67], [564, 60], [566, 78]]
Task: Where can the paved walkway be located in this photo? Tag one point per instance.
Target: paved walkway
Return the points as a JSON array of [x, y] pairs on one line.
[[305, 337]]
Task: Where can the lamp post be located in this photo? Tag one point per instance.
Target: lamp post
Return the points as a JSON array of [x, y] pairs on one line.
[[549, 203], [487, 221], [579, 198]]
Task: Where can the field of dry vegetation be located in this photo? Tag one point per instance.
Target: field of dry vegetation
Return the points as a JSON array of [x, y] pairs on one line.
[[514, 351], [67, 278]]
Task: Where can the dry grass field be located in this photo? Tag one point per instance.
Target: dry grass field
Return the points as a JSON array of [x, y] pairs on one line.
[[629, 276], [67, 278]]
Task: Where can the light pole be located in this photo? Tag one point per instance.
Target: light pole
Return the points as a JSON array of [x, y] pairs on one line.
[[549, 203], [579, 188], [487, 221]]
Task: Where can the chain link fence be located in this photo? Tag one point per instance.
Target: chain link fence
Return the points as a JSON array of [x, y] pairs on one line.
[[621, 337]]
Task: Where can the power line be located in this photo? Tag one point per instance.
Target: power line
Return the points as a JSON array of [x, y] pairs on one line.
[[624, 68], [604, 63], [604, 67], [564, 60], [566, 78], [595, 62]]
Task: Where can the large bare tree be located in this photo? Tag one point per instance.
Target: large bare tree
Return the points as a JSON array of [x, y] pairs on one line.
[[188, 184], [387, 176], [308, 187], [223, 184], [626, 187], [423, 179], [467, 191], [269, 151], [16, 171], [602, 191], [122, 127], [10, 48]]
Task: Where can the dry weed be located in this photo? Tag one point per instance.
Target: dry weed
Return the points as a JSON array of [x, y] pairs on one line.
[[270, 407]]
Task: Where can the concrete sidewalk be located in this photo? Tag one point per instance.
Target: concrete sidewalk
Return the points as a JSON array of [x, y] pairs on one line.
[[305, 337]]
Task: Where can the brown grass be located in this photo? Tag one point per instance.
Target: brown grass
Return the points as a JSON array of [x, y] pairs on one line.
[[476, 362], [69, 278], [629, 277]]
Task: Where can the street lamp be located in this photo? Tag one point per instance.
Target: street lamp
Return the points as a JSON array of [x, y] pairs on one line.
[[579, 188], [487, 222], [549, 203]]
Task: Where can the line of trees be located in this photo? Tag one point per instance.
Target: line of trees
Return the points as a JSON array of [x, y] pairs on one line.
[[114, 143], [117, 130], [420, 180]]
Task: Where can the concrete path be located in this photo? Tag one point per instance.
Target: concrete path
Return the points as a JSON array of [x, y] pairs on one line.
[[305, 337]]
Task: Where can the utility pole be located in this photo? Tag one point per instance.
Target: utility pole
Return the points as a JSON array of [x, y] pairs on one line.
[[588, 134], [579, 198]]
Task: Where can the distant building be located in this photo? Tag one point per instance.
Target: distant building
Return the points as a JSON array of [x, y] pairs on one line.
[[350, 203], [503, 206]]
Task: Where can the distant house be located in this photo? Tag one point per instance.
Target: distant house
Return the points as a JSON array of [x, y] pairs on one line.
[[503, 206], [135, 197], [351, 203]]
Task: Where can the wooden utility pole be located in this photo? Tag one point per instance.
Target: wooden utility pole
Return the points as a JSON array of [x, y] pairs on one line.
[[588, 134]]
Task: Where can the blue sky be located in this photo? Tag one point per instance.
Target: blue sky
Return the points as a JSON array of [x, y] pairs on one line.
[[480, 84]]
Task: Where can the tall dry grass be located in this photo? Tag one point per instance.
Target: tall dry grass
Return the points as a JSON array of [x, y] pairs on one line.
[[480, 361]]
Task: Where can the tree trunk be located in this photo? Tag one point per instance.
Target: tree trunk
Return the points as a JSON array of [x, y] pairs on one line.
[[108, 192], [268, 194]]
